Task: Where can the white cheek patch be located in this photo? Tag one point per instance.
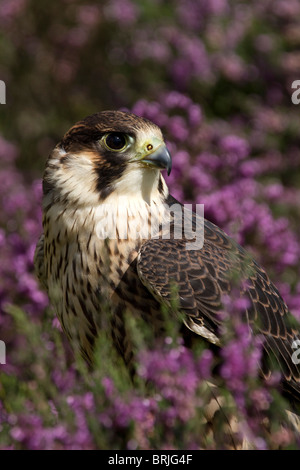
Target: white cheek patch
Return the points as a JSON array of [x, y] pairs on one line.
[[77, 180]]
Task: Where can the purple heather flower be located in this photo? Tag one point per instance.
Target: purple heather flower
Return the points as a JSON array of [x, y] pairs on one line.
[[124, 12], [11, 9], [234, 148], [89, 15]]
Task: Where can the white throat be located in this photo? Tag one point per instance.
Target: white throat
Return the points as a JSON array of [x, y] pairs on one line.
[[135, 208], [137, 183]]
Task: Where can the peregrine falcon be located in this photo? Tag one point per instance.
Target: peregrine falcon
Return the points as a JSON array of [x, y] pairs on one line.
[[105, 247]]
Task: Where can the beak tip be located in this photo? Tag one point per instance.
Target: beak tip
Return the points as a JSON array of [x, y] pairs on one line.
[[160, 159], [169, 163]]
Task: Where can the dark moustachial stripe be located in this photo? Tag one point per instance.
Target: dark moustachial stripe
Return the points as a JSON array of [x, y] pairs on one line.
[[108, 171], [160, 185]]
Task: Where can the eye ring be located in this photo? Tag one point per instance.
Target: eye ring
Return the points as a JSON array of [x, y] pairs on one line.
[[115, 141]]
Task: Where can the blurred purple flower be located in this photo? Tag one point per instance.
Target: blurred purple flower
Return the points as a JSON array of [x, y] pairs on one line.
[[122, 11]]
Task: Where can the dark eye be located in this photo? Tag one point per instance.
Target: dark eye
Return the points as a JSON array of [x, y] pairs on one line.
[[115, 141]]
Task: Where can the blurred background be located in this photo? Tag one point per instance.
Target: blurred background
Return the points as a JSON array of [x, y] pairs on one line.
[[215, 75]]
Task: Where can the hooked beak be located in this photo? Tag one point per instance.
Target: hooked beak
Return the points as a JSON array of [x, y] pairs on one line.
[[159, 158]]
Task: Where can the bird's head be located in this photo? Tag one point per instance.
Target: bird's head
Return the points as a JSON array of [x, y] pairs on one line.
[[105, 154]]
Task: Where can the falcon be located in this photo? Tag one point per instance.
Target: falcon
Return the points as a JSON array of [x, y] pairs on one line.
[[110, 245]]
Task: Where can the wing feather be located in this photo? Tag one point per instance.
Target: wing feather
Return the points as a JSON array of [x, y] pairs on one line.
[[204, 276]]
